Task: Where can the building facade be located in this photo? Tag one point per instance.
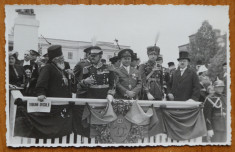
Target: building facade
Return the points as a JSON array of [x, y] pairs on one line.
[[72, 50]]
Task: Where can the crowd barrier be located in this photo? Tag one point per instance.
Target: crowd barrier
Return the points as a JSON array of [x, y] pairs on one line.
[[74, 139]]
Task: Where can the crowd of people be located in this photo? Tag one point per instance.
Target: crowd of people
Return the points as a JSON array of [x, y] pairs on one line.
[[125, 78]]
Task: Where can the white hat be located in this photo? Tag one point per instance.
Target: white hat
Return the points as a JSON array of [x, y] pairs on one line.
[[202, 69], [12, 52]]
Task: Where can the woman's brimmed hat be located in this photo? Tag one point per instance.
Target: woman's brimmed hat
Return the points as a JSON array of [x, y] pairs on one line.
[[114, 59]]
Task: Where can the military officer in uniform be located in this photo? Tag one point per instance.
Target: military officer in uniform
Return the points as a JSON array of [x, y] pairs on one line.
[[78, 71], [97, 79], [215, 109], [128, 78], [152, 76]]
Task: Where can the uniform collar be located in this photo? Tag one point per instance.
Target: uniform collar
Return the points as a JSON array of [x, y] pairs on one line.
[[99, 65]]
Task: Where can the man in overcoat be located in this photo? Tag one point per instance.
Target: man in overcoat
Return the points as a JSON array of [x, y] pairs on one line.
[[185, 83], [53, 81]]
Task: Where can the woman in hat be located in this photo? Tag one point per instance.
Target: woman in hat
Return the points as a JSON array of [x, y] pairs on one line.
[[152, 76], [128, 78], [16, 72], [204, 81]]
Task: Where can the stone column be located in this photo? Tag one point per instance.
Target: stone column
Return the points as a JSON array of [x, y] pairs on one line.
[[25, 31]]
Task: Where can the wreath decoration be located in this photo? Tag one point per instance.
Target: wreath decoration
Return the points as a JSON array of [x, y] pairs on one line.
[[136, 132]]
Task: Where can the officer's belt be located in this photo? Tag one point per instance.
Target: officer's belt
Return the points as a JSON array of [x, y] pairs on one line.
[[99, 86], [154, 79]]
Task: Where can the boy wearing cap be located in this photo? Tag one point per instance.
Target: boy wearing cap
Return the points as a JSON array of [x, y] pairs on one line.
[[215, 109], [128, 78], [97, 80]]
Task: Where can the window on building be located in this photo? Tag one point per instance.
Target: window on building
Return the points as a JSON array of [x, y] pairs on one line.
[[70, 55]]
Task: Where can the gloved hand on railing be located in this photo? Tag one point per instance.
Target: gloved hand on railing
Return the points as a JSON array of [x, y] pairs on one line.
[[171, 96], [150, 97], [130, 94], [191, 100], [110, 98], [210, 134], [41, 98]]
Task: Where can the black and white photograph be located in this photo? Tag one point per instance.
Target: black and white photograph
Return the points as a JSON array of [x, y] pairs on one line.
[[117, 75]]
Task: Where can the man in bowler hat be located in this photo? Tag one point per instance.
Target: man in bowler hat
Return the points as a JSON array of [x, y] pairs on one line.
[[185, 83]]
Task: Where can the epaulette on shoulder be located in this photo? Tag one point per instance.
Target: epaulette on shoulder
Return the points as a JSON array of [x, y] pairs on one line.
[[88, 66]]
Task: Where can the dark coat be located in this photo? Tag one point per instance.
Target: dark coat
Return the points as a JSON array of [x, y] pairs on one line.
[[215, 113], [66, 65], [78, 69], [186, 86], [16, 79], [127, 82], [50, 82]]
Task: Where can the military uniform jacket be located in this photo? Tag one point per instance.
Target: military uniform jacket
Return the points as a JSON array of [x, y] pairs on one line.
[[78, 69], [215, 112], [186, 86], [127, 82], [152, 81], [51, 82], [104, 81]]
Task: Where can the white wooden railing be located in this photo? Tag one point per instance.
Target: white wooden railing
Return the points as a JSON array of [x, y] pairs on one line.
[[77, 140]]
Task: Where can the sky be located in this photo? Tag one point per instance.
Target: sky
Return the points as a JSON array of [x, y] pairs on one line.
[[134, 26]]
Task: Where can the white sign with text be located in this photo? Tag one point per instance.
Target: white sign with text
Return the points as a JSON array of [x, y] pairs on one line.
[[36, 106]]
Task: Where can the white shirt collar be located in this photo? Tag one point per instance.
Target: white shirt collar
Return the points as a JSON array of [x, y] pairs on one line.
[[127, 68], [183, 69], [26, 63]]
